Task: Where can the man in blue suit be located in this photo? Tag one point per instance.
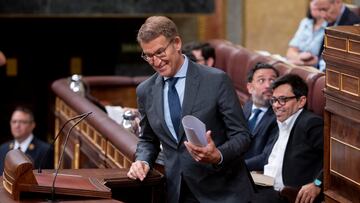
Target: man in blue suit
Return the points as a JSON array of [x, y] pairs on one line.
[[258, 110], [22, 124], [212, 173]]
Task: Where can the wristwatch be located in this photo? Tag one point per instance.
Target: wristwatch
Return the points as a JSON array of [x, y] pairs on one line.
[[317, 182]]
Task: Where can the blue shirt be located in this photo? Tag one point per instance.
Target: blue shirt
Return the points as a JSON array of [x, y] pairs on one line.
[[306, 39], [180, 88]]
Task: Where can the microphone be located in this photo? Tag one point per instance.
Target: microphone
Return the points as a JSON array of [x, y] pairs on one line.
[[58, 134], [81, 117]]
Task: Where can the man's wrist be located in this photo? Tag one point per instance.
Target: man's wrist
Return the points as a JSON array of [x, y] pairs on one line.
[[317, 183]]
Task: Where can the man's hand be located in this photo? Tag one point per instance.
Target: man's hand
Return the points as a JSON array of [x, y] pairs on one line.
[[138, 170], [207, 154], [308, 193]]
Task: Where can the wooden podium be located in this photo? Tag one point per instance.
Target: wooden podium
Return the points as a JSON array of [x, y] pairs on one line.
[[342, 114], [83, 185]]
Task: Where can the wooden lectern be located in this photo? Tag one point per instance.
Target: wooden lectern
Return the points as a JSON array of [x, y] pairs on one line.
[[19, 177], [342, 114]]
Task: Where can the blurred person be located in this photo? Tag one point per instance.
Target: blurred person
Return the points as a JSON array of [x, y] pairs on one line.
[[202, 52], [22, 124], [335, 13], [296, 159], [215, 172], [304, 47], [260, 116]]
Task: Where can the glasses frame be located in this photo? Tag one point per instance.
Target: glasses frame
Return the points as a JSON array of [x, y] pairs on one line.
[[160, 53], [21, 122], [281, 100]]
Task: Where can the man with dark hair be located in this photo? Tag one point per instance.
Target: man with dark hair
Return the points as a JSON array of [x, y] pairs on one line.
[[22, 124], [212, 173], [260, 116], [200, 52], [296, 159]]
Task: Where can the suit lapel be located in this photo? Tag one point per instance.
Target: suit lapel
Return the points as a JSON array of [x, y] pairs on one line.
[[191, 90], [265, 120]]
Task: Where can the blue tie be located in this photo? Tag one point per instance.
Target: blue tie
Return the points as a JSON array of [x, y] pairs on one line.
[[174, 104], [252, 121]]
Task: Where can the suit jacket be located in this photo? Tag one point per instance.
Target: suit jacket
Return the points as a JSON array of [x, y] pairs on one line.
[[303, 159], [210, 96], [348, 18], [262, 139], [36, 151]]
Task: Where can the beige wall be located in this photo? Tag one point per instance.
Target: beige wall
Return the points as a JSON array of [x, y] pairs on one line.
[[270, 24]]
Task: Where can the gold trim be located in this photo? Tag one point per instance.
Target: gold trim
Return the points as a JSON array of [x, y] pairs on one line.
[[57, 144], [347, 178], [340, 38], [352, 52], [346, 144], [327, 81], [341, 84], [77, 156]]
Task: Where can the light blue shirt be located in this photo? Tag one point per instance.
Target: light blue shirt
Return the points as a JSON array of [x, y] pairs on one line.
[[180, 88], [306, 39]]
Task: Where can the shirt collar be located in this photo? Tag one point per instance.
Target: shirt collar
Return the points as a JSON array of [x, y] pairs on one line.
[[183, 69], [289, 122], [24, 144], [263, 109]]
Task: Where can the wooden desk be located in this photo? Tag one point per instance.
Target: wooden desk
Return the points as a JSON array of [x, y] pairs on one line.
[[123, 188]]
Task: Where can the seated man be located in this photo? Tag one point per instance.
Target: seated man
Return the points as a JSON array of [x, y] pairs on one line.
[[202, 53], [22, 124], [260, 116], [296, 159]]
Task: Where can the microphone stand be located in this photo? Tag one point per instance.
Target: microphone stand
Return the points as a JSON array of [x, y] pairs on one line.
[[57, 136], [82, 117]]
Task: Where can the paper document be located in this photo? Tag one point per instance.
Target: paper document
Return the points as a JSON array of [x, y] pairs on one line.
[[261, 179], [195, 130]]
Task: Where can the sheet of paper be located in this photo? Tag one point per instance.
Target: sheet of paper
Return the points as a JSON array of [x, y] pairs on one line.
[[261, 179], [195, 130]]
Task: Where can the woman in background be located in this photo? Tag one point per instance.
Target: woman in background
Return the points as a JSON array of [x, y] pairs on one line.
[[304, 47]]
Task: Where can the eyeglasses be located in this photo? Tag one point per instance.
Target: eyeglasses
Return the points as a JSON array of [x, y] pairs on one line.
[[281, 100], [21, 122], [160, 53]]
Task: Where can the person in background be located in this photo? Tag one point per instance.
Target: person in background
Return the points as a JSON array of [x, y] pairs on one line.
[[215, 172], [335, 13], [260, 116], [296, 159], [22, 124], [200, 52], [2, 59], [304, 47]]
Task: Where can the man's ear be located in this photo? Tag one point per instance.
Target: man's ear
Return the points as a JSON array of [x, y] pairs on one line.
[[249, 87], [302, 101], [177, 43], [210, 62]]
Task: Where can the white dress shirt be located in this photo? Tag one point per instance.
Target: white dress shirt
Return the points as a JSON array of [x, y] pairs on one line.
[[25, 144], [276, 158]]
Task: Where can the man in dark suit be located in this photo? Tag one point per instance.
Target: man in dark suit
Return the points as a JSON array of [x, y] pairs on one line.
[[296, 159], [215, 172], [260, 116], [335, 13], [22, 124]]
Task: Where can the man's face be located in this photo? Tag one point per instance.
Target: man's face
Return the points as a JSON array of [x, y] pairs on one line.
[[290, 105], [259, 88], [21, 125], [164, 55], [199, 57], [328, 10]]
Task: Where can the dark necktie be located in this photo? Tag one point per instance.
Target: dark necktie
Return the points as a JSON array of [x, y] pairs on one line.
[[174, 104], [252, 121]]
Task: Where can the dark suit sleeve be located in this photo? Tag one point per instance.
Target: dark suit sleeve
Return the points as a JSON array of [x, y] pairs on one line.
[[148, 145], [233, 117], [257, 163]]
